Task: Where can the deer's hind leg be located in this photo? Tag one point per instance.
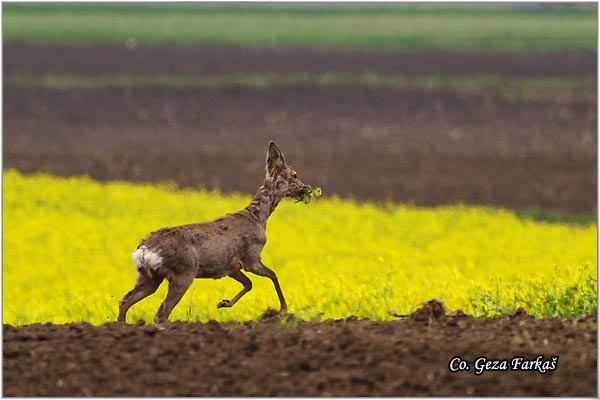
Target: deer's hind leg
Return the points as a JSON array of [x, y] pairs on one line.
[[144, 287], [244, 280], [178, 285]]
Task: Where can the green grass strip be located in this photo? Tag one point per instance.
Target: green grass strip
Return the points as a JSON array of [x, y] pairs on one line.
[[258, 25], [512, 88]]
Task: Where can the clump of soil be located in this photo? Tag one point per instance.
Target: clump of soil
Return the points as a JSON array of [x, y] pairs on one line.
[[428, 312], [432, 310], [271, 314]]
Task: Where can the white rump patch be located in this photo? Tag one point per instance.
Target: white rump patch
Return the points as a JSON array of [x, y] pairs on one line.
[[145, 259]]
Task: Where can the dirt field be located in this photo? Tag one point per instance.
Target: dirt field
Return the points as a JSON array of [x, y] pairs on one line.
[[428, 147], [331, 358], [92, 60]]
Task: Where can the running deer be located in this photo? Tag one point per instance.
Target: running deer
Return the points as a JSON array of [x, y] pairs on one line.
[[221, 247]]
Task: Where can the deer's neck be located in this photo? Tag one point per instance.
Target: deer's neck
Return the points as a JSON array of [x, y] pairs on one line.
[[264, 203]]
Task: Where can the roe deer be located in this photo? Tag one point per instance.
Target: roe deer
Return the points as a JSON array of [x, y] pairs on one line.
[[214, 249]]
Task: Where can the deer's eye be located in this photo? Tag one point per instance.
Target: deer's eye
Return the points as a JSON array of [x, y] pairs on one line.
[[295, 175]]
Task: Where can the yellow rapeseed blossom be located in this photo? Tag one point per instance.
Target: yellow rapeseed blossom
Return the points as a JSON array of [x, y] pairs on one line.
[[68, 244]]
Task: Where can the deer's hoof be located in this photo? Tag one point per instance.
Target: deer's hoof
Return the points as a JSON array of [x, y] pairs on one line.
[[224, 303]]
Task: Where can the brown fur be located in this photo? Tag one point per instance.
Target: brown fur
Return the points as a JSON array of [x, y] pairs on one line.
[[222, 247], [147, 269]]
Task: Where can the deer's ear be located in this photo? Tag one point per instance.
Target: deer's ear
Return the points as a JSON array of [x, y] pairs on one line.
[[275, 160]]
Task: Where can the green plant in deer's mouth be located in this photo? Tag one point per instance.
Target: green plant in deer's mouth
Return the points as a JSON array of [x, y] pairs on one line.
[[306, 194]]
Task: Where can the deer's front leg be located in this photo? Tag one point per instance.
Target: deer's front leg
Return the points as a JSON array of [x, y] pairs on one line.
[[260, 269], [243, 279]]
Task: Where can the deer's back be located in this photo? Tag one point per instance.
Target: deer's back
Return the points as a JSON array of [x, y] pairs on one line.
[[209, 248]]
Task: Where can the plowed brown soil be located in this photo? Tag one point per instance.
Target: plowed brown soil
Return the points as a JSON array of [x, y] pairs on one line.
[[99, 59], [428, 147], [330, 358]]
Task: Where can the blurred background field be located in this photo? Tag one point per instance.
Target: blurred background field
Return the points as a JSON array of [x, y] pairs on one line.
[[401, 106], [374, 25]]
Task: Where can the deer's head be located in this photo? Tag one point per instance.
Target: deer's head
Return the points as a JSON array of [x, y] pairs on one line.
[[283, 178]]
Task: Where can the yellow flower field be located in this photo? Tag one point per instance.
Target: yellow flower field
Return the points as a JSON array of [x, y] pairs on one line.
[[68, 244]]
